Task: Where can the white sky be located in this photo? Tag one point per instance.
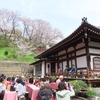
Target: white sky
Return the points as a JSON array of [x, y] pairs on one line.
[[65, 15]]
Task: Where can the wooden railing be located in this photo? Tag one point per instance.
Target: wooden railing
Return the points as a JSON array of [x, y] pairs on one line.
[[89, 74], [93, 73]]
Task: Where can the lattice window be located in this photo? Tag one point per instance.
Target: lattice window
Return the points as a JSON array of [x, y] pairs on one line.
[[96, 63]]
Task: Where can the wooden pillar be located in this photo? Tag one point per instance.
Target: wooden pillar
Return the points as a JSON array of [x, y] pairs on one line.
[[87, 49], [62, 66], [45, 68], [87, 73], [75, 56], [57, 61], [67, 59]]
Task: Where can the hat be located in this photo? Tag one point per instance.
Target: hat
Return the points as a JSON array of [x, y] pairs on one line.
[[22, 76], [61, 76], [42, 76]]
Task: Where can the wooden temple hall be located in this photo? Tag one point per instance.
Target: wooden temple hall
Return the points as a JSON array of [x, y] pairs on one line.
[[81, 48]]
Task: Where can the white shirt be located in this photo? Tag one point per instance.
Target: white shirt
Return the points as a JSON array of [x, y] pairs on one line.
[[20, 90], [65, 94], [2, 87], [15, 79]]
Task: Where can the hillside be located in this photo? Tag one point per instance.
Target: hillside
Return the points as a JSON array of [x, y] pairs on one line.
[[9, 51]]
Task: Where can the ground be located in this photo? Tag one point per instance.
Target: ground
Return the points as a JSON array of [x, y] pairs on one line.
[[78, 98], [81, 98]]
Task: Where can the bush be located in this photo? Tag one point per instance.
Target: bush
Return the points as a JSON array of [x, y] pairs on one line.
[[6, 53], [78, 85], [12, 56], [91, 92], [53, 78], [4, 42]]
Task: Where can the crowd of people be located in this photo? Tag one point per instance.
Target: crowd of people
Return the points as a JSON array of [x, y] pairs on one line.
[[12, 84], [67, 70], [18, 84]]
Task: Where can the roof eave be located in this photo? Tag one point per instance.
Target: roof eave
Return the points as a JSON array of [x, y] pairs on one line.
[[84, 24]]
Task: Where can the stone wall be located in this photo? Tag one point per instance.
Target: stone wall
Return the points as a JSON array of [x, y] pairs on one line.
[[10, 68]]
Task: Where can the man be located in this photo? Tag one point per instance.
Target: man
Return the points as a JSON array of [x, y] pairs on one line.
[[59, 80], [73, 70], [17, 76], [2, 87]]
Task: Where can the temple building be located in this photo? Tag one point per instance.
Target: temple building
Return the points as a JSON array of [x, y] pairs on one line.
[[81, 48]]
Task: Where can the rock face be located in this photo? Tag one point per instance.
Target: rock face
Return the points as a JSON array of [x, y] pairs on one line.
[[10, 68]]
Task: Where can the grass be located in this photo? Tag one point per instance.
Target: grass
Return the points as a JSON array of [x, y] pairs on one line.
[[8, 51], [13, 55], [27, 58], [2, 51]]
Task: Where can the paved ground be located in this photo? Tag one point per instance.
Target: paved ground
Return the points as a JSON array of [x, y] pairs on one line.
[[78, 98]]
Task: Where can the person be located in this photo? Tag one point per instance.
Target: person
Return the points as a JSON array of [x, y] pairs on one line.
[[9, 83], [27, 82], [47, 79], [42, 82], [2, 88], [37, 83], [17, 76], [59, 70], [63, 93], [23, 78], [3, 76], [13, 79], [73, 70], [20, 88], [12, 88], [59, 80], [47, 86], [66, 70], [31, 79], [46, 93]]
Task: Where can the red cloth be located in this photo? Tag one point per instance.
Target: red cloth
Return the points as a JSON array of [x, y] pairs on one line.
[[53, 85], [33, 92], [36, 80], [10, 95]]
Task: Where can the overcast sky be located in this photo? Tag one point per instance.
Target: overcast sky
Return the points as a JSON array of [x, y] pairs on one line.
[[65, 15]]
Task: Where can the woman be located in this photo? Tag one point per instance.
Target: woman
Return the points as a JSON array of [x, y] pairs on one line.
[[9, 83], [64, 94], [59, 71], [46, 93], [2, 88], [20, 88], [31, 79]]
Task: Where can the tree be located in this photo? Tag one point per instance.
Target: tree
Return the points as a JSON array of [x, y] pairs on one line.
[[45, 34], [28, 28], [8, 23], [28, 34]]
